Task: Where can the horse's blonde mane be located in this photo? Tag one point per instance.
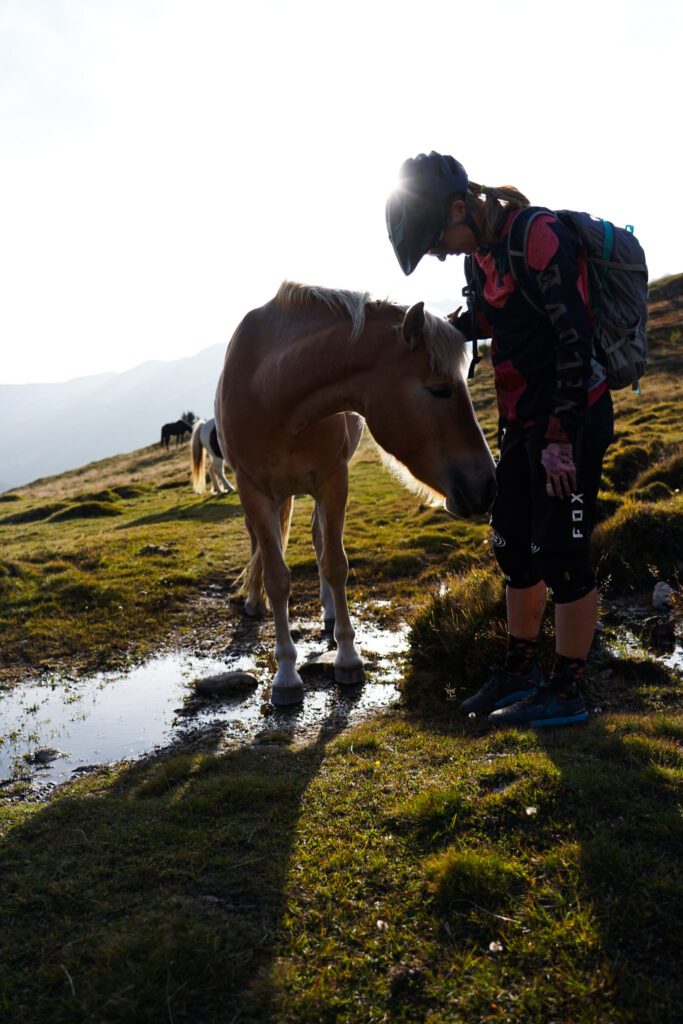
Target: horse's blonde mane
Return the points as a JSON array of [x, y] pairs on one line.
[[427, 495], [306, 296], [445, 345]]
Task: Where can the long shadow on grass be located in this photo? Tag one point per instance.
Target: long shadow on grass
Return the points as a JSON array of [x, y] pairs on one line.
[[157, 896], [206, 511], [556, 865]]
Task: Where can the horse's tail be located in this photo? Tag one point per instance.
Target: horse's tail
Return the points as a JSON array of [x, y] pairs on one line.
[[285, 521], [197, 459], [250, 580]]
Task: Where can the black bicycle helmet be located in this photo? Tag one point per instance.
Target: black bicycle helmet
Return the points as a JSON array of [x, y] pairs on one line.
[[418, 210]]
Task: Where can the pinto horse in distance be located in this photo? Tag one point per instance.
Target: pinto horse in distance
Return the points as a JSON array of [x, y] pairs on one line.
[[301, 376], [206, 456], [177, 430]]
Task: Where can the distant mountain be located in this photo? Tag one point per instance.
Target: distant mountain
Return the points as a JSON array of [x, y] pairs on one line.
[[49, 428]]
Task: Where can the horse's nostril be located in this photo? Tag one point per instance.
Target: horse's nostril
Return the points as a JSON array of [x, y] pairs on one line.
[[470, 497]]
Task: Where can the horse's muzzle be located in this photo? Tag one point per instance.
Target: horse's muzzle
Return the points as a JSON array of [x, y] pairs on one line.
[[467, 499]]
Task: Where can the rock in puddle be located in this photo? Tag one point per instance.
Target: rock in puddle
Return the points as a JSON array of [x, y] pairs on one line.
[[45, 754], [323, 665], [226, 684]]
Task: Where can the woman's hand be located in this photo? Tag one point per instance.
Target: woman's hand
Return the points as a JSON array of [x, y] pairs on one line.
[[560, 470]]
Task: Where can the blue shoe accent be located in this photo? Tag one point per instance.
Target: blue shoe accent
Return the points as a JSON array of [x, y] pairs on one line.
[[546, 708], [513, 698], [502, 689], [581, 716]]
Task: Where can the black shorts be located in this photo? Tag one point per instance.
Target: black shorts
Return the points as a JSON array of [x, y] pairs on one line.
[[524, 515]]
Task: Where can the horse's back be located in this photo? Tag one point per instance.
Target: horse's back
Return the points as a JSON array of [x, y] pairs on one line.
[[254, 340]]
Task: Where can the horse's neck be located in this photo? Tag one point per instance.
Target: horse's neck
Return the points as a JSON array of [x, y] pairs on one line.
[[326, 374]]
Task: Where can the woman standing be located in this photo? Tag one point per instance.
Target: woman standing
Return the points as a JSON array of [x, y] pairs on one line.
[[556, 418]]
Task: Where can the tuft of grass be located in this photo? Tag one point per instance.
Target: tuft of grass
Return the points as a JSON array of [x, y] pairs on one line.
[[455, 636], [129, 491], [33, 515], [471, 876], [607, 505], [655, 491], [624, 463], [86, 510], [107, 496], [668, 471], [625, 560]]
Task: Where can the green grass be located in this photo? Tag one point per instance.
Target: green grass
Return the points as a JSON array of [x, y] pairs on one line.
[[97, 576], [400, 872], [416, 868]]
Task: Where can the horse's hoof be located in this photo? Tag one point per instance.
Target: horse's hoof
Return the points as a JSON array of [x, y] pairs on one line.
[[255, 611], [329, 625], [285, 696], [349, 676]]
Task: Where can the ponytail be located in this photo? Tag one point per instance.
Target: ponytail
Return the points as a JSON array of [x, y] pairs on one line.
[[490, 207]]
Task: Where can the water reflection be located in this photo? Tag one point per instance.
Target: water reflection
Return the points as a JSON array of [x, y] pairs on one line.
[[72, 724]]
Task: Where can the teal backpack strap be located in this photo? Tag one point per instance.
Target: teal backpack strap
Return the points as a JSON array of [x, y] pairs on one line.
[[607, 244]]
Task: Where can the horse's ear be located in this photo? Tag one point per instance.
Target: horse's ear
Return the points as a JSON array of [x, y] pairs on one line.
[[413, 324]]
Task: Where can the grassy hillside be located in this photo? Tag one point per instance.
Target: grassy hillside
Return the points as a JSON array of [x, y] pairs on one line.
[[112, 560], [417, 868]]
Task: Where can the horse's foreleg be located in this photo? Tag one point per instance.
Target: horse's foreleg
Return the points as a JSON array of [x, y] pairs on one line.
[[267, 521], [270, 524], [326, 596], [348, 665]]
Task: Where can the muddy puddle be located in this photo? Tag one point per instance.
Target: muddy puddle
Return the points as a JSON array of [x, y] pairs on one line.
[[52, 731]]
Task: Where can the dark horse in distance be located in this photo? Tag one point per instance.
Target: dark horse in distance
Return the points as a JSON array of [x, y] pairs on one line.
[[177, 429]]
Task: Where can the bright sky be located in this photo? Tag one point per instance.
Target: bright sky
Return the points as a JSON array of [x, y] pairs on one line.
[[165, 164]]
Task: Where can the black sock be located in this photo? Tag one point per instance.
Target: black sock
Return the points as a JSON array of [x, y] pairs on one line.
[[520, 655], [566, 675]]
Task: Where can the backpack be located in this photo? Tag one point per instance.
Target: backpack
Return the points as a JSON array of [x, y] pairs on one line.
[[617, 282]]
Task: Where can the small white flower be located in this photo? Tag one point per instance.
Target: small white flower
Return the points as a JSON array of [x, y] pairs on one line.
[[382, 926], [531, 811], [495, 946]]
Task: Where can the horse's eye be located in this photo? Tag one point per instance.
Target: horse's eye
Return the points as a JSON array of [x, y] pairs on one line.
[[440, 391]]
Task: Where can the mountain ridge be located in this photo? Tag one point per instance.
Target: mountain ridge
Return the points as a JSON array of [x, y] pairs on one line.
[[50, 428]]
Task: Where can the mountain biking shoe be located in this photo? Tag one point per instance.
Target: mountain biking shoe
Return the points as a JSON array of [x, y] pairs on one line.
[[546, 707], [503, 688]]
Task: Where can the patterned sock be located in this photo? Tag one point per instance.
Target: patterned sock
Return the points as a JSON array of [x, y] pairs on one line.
[[566, 675], [520, 655]]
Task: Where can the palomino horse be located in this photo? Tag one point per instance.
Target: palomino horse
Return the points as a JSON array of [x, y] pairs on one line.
[[177, 429], [205, 442], [299, 374]]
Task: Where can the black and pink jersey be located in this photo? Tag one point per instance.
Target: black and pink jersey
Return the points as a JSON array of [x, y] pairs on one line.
[[544, 366]]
